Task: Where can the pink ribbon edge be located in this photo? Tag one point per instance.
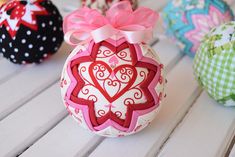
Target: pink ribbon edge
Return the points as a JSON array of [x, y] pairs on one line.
[[120, 21]]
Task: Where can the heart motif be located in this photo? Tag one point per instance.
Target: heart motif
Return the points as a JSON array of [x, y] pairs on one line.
[[113, 61], [111, 85], [115, 77]]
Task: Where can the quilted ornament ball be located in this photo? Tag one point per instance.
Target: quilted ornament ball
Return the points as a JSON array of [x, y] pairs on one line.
[[112, 83], [30, 31], [113, 88], [187, 21], [214, 64]]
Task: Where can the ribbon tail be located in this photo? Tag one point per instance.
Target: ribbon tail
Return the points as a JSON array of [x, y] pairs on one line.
[[134, 37]]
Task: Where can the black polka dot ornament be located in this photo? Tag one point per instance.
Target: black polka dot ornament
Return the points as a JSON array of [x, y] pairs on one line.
[[30, 30]]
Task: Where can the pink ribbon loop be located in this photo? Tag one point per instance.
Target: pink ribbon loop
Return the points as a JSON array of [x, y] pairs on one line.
[[120, 20], [103, 33]]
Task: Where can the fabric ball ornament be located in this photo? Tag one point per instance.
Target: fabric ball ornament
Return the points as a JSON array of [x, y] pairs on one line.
[[30, 31], [214, 64], [188, 21], [112, 87], [104, 5]]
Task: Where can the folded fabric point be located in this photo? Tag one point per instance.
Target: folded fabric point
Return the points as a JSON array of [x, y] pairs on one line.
[[188, 21]]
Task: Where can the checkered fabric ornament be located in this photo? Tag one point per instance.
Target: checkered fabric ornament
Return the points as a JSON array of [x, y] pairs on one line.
[[30, 31], [187, 21], [214, 64]]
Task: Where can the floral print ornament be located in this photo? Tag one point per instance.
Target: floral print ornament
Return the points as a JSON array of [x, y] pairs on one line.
[[214, 64], [30, 31], [112, 84], [188, 21]]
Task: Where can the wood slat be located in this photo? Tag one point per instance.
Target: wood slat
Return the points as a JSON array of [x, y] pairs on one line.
[[206, 131], [21, 88], [68, 143], [8, 70], [181, 91], [67, 139], [169, 53], [20, 129], [232, 154]]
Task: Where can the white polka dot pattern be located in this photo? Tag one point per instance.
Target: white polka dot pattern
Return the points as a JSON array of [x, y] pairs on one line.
[[34, 42]]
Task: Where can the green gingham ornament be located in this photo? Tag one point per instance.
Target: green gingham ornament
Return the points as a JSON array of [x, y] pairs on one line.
[[214, 64]]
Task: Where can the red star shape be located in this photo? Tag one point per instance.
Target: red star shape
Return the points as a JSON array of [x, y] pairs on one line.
[[15, 13], [96, 121]]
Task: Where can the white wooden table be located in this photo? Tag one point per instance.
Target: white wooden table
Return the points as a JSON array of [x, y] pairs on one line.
[[34, 122]]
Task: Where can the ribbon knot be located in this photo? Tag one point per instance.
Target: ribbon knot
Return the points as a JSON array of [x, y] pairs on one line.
[[120, 20]]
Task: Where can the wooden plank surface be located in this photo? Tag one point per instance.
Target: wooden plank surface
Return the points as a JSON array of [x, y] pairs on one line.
[[206, 131], [67, 139], [169, 55], [232, 153], [31, 81], [8, 70], [20, 129]]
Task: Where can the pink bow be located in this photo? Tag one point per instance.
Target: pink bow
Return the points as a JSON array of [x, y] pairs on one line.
[[120, 20]]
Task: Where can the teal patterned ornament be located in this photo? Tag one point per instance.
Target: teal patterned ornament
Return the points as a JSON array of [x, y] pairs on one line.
[[214, 64], [188, 21]]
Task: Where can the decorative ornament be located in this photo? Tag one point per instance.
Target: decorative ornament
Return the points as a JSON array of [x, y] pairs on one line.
[[112, 83], [104, 5], [188, 21], [30, 31], [214, 64]]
